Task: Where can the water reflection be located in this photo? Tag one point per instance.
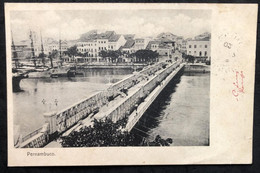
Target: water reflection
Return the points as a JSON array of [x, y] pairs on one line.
[[52, 94], [181, 112]]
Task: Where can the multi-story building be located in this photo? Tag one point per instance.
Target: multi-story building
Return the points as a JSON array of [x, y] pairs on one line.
[[128, 47], [184, 47], [141, 43], [88, 47], [178, 42], [55, 45], [116, 41], [165, 47], [199, 48], [93, 42]]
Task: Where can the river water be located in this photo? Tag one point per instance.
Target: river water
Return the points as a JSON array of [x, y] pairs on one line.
[[54, 94], [180, 112]]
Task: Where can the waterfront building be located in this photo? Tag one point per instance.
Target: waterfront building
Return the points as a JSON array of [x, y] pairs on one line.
[[92, 42], [141, 43], [116, 41], [164, 46], [128, 47], [199, 48], [55, 45]]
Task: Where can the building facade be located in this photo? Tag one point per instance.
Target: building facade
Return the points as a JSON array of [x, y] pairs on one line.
[[199, 48]]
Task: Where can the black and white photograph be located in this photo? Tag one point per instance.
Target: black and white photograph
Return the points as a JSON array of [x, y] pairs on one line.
[[151, 84], [94, 78]]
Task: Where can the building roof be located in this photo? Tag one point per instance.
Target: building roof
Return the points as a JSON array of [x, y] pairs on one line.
[[114, 38], [57, 42], [152, 42], [129, 44], [92, 36], [129, 36], [89, 36], [139, 39]]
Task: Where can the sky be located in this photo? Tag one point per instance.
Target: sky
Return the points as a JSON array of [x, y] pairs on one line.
[[71, 24]]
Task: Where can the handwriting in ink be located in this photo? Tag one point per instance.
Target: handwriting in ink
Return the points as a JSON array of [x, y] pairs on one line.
[[239, 84]]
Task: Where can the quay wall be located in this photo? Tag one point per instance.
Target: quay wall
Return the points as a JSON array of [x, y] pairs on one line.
[[197, 68]]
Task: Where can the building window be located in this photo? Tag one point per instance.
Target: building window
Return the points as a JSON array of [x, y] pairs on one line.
[[194, 52], [111, 47], [104, 41], [195, 46], [189, 46], [189, 52], [205, 53], [206, 46], [200, 53]]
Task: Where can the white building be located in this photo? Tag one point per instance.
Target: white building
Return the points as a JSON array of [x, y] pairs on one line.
[[141, 43], [128, 47], [165, 47], [199, 48], [116, 41], [94, 42]]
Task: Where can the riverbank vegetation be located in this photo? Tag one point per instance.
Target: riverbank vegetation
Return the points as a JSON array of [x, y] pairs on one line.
[[107, 133]]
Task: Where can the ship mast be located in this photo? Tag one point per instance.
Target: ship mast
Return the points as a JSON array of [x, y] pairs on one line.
[[60, 50], [42, 51], [14, 53], [32, 49]]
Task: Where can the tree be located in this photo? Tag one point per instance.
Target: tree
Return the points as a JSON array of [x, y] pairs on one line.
[[72, 51], [102, 133], [107, 133], [147, 55], [103, 54], [52, 55], [189, 58], [114, 55]]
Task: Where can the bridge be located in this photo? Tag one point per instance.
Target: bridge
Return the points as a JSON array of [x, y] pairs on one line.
[[130, 97]]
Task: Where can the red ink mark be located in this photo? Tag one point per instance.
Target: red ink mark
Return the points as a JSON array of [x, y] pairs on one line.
[[239, 84]]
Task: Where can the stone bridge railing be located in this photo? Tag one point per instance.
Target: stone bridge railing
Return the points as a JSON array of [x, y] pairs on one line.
[[154, 87], [126, 107], [59, 122]]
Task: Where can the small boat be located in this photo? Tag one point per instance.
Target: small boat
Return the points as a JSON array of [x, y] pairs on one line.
[[73, 72], [59, 72]]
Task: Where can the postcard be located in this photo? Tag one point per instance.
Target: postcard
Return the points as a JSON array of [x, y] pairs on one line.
[[130, 83]]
